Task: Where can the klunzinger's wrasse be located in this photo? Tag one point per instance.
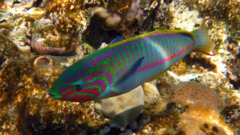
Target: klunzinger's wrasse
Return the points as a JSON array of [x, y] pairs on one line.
[[126, 64]]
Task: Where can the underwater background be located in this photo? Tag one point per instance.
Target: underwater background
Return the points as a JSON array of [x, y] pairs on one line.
[[39, 39]]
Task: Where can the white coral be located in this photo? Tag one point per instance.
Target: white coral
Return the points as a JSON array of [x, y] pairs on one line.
[[182, 17]]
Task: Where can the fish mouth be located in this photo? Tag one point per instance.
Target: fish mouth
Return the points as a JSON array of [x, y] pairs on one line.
[[54, 96]]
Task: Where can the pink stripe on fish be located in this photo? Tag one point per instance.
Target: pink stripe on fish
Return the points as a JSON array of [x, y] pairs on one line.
[[164, 60]]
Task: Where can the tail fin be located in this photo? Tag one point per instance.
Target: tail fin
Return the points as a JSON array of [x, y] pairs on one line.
[[204, 44]]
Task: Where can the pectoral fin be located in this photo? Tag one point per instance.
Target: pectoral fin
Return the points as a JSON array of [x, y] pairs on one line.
[[127, 78]]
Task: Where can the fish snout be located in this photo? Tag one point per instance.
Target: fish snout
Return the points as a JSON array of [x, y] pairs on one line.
[[54, 96]]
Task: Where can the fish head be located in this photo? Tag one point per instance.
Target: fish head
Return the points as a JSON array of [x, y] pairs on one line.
[[79, 83]]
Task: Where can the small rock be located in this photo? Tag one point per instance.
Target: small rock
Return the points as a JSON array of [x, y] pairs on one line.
[[145, 131], [122, 109], [113, 21], [151, 94]]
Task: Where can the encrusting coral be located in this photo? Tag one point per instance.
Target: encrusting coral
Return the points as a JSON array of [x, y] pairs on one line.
[[192, 93]]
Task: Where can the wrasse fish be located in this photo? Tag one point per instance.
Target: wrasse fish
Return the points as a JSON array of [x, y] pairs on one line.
[[126, 64]]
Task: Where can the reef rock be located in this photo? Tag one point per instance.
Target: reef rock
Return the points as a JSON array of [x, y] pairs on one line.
[[122, 109], [8, 50]]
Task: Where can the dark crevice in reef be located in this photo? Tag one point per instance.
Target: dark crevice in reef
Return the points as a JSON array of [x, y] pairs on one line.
[[37, 3], [41, 123], [95, 35], [231, 114], [2, 59], [16, 2], [234, 80], [190, 60], [236, 84]]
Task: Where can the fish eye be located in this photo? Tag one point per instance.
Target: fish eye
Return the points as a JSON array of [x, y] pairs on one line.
[[78, 87]]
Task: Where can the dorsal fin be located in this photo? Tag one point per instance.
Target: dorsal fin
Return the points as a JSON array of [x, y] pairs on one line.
[[176, 32], [113, 44], [115, 40]]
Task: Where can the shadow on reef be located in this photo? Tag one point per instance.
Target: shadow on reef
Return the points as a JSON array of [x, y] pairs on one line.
[[33, 124], [30, 124], [133, 126]]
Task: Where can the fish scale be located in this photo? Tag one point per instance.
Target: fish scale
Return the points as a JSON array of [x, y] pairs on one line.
[[125, 64]]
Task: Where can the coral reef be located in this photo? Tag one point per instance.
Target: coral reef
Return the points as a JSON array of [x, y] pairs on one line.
[[56, 27], [205, 123], [133, 18], [234, 73], [232, 114], [31, 31], [120, 21], [26, 107], [193, 109], [8, 49], [184, 19], [61, 30], [221, 10]]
